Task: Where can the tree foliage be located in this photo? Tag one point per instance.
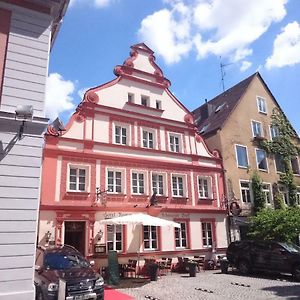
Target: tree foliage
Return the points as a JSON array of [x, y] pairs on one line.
[[284, 146], [258, 194], [279, 224]]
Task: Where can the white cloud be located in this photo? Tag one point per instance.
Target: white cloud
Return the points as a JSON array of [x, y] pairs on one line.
[[81, 92], [286, 47], [58, 95], [96, 3], [217, 27], [167, 31], [245, 65]]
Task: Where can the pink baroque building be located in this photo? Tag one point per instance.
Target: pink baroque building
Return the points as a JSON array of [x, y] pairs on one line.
[[130, 147]]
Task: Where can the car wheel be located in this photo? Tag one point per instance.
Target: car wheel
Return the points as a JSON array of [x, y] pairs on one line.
[[39, 295], [296, 273], [244, 267]]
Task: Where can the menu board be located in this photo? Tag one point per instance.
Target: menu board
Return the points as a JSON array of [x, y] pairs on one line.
[[113, 268]]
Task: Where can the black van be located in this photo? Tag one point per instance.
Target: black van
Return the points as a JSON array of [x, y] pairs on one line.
[[268, 256]]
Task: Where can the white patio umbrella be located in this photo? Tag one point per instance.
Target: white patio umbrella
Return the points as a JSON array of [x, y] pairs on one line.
[[139, 219]]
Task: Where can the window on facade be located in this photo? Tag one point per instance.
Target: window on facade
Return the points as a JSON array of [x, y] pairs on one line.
[[245, 191], [121, 135], [266, 188], [207, 240], [279, 163], [158, 184], [242, 157], [274, 131], [77, 179], [295, 165], [261, 159], [261, 105], [284, 192], [181, 235], [256, 129], [147, 139], [130, 97], [138, 183], [298, 195], [114, 237], [150, 237], [174, 143], [114, 181], [204, 187], [145, 101], [158, 104], [177, 186]]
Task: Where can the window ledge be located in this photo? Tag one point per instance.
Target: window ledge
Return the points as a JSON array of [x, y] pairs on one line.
[[205, 199], [76, 193], [145, 107]]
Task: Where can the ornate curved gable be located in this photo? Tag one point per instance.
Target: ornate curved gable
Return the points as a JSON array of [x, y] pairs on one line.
[[141, 65]]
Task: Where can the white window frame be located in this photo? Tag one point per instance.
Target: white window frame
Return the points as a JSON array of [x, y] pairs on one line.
[[150, 239], [267, 192], [245, 189], [184, 186], [158, 104], [207, 241], [257, 164], [123, 126], [87, 169], [148, 131], [117, 229], [273, 129], [298, 167], [285, 194], [258, 99], [147, 98], [278, 171], [236, 155], [145, 180], [130, 97], [181, 238], [201, 190], [123, 175], [164, 186], [174, 145], [257, 125]]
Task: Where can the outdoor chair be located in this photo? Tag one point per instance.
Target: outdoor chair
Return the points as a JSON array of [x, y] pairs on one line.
[[200, 262], [168, 265], [130, 268]]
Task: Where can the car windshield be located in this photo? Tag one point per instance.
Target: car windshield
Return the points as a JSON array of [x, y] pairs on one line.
[[291, 247], [60, 261]]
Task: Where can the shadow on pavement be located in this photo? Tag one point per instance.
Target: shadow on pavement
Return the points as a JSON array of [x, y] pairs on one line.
[[287, 292]]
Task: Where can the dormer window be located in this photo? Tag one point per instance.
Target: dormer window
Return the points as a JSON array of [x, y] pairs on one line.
[[219, 107], [145, 100], [261, 105], [204, 128]]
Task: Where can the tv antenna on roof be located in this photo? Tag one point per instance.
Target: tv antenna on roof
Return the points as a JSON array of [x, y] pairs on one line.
[[223, 72]]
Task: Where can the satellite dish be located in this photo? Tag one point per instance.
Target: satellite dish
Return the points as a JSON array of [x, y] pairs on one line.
[[58, 125]]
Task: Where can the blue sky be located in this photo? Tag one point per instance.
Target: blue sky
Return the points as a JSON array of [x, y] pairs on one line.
[[188, 38]]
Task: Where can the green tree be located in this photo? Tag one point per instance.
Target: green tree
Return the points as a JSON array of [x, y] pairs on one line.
[[258, 194], [279, 224], [284, 146]]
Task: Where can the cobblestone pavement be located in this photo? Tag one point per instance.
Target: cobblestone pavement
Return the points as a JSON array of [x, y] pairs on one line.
[[212, 285]]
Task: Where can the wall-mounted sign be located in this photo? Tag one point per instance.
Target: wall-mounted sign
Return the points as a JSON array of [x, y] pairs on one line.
[[99, 248]]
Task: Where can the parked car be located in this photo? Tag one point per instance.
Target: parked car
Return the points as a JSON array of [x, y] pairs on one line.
[[57, 267], [268, 256]]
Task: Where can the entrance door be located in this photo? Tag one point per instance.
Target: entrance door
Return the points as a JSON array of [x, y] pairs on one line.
[[75, 235]]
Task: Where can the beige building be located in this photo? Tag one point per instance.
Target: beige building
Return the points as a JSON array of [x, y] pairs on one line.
[[233, 123]]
